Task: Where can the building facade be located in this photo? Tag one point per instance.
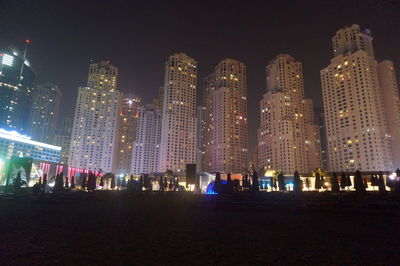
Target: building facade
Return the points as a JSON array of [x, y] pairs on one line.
[[288, 138], [178, 130], [13, 144], [391, 104], [128, 118], [94, 139], [17, 81], [226, 118], [200, 134], [44, 115], [146, 147], [359, 101], [63, 139]]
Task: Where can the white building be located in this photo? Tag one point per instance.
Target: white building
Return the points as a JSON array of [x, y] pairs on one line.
[[226, 118], [359, 102], [44, 114], [94, 138], [178, 131], [288, 138], [145, 153]]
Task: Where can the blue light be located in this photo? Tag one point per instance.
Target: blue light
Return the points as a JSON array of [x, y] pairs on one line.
[[210, 188]]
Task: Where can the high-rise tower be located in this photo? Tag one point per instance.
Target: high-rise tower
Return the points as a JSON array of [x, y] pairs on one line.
[[94, 138], [17, 81], [178, 133], [128, 118], [145, 154], [359, 103], [44, 114], [288, 139], [63, 139], [226, 118]]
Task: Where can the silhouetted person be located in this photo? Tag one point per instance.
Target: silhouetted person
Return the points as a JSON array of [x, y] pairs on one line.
[[255, 185], [161, 183], [141, 181], [229, 185], [281, 181], [218, 183], [297, 186], [308, 185], [44, 179], [273, 183], [348, 181], [317, 181], [102, 181], [59, 182], [358, 182], [66, 184], [18, 182], [397, 181], [236, 185], [381, 183], [112, 185], [72, 181], [246, 181], [343, 181], [335, 183]]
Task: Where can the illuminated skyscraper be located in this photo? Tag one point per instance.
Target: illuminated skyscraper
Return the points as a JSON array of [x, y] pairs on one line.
[[128, 119], [178, 133], [226, 118], [145, 154], [288, 138], [17, 81], [94, 141], [44, 114], [103, 76], [361, 105], [391, 104]]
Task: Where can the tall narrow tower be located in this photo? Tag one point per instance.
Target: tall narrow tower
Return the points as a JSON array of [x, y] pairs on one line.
[[128, 119], [354, 105], [44, 115], [146, 148], [94, 139], [226, 118], [17, 82], [178, 133], [288, 139]]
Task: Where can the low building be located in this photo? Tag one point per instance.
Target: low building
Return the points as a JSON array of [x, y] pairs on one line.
[[13, 144]]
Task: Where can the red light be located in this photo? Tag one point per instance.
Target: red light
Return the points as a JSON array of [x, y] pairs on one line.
[[27, 41]]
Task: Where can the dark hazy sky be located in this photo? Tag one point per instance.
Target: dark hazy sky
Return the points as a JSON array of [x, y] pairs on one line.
[[138, 36]]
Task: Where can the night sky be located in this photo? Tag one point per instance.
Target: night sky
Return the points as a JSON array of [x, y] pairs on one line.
[[139, 36]]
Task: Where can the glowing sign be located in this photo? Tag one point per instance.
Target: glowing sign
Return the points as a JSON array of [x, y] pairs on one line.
[[8, 60]]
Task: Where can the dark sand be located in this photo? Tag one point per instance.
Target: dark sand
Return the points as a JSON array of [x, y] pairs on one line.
[[111, 228]]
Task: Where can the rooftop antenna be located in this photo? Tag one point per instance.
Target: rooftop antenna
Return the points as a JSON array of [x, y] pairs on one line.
[[23, 59]]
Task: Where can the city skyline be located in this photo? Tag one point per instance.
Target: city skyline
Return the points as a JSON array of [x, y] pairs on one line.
[[141, 65]]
